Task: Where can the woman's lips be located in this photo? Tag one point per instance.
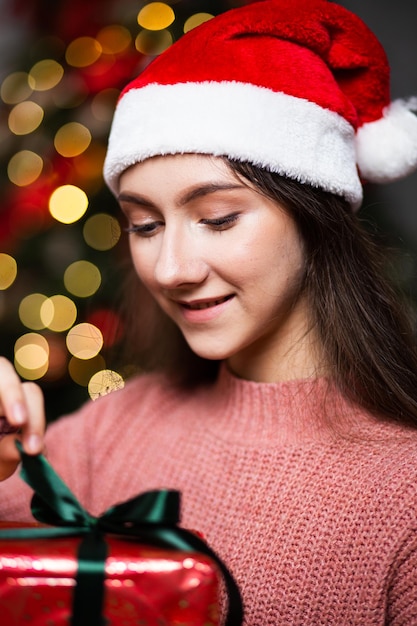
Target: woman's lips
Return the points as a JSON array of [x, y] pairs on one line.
[[198, 311], [197, 305]]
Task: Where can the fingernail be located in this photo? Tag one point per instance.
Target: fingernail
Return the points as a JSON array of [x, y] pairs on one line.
[[19, 413], [33, 443]]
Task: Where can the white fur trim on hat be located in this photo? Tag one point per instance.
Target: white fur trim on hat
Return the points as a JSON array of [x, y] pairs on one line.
[[285, 134], [387, 148]]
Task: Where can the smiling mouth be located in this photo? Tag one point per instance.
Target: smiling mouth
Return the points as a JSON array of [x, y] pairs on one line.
[[205, 304]]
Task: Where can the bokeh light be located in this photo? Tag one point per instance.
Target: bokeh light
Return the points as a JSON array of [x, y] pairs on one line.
[[31, 356], [8, 270], [104, 382], [24, 168], [30, 311], [84, 341], [102, 231], [45, 75], [68, 204], [81, 370], [58, 313], [72, 139], [15, 88], [153, 42], [156, 16], [82, 278], [114, 39], [25, 117], [83, 51], [196, 20]]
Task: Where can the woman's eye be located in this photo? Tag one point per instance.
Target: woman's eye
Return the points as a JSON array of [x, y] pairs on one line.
[[144, 230], [221, 223]]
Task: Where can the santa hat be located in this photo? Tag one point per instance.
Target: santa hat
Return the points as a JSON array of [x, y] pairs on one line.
[[300, 88]]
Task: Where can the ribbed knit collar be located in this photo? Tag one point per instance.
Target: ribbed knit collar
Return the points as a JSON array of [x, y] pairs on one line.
[[270, 414]]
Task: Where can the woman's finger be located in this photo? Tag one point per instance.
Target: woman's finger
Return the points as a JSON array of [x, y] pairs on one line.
[[12, 399], [32, 432]]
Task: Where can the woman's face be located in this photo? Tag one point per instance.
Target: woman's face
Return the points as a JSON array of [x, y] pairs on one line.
[[223, 261]]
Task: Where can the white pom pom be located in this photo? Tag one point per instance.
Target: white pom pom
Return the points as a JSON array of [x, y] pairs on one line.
[[387, 148]]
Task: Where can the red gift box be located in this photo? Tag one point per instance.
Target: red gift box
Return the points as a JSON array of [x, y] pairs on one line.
[[131, 566], [144, 585]]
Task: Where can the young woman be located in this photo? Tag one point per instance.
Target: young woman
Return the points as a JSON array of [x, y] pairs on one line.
[[282, 393]]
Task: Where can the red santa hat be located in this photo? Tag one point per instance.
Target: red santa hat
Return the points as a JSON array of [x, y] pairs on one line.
[[300, 88]]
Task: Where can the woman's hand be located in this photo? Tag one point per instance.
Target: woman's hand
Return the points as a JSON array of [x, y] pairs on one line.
[[21, 408]]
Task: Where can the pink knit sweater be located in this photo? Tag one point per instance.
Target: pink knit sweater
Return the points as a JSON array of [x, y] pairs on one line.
[[318, 529]]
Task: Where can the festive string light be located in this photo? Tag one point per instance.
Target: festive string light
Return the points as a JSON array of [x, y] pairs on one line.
[[45, 75], [104, 382], [31, 356], [15, 88], [25, 117], [24, 168], [72, 139], [58, 313], [102, 231], [156, 16], [30, 311], [82, 278], [114, 39], [83, 51], [8, 270], [84, 341], [196, 20], [153, 43], [68, 204]]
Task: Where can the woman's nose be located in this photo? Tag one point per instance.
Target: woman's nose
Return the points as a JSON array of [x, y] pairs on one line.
[[179, 262]]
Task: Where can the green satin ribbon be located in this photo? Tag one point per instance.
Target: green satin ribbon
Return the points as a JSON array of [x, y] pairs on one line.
[[152, 518]]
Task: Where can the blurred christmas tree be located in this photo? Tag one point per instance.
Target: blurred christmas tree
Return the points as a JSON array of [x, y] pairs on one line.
[[61, 243]]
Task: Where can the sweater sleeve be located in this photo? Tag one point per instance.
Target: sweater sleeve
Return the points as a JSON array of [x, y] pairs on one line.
[[402, 592]]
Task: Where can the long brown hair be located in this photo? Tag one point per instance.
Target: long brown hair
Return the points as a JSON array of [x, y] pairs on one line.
[[367, 338]]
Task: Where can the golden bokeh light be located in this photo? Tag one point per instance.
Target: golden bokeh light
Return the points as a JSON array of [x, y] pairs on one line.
[[104, 382], [31, 356], [81, 370], [15, 88], [72, 139], [102, 231], [24, 168], [58, 313], [153, 43], [25, 117], [156, 16], [114, 39], [196, 20], [84, 341], [68, 204], [45, 75], [8, 270], [82, 278], [83, 51], [30, 311]]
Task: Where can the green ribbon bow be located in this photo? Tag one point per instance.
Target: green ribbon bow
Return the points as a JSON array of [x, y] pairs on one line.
[[151, 517]]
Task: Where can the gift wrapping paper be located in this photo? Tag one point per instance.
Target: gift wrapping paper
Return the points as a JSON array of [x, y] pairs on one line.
[[144, 585]]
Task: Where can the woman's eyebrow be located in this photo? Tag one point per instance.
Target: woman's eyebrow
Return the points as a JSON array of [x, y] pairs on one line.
[[204, 190], [198, 191], [132, 198]]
